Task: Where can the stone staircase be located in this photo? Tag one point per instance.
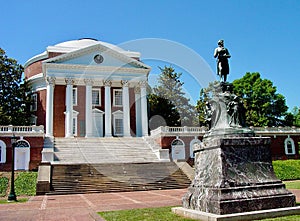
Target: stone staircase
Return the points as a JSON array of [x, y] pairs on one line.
[[102, 150], [116, 177]]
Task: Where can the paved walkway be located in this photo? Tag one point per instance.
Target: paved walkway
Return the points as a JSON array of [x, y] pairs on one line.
[[84, 207]]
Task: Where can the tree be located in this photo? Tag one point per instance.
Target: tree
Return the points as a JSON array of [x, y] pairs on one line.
[[164, 108], [170, 88], [14, 100], [296, 116], [264, 106]]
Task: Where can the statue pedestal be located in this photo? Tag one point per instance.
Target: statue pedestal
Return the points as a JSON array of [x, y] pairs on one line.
[[235, 175]]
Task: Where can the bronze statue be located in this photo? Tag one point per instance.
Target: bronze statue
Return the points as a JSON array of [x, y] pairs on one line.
[[222, 54]]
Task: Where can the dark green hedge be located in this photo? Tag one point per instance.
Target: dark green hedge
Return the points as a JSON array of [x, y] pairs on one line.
[[287, 169]]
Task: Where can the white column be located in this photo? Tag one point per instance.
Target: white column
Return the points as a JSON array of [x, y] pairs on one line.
[[144, 108], [88, 108], [107, 107], [126, 109], [69, 107], [49, 106], [138, 122]]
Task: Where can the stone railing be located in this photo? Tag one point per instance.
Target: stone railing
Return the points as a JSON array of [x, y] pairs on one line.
[[21, 130], [196, 131], [183, 131]]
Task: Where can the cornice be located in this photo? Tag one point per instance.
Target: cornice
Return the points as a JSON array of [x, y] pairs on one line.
[[84, 68], [104, 49]]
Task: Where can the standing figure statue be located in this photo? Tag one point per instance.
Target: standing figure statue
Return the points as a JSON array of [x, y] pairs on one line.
[[222, 54]]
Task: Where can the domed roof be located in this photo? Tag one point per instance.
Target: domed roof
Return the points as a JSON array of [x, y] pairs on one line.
[[73, 45], [85, 42]]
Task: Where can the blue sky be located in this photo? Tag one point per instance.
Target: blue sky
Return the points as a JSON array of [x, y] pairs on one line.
[[261, 35]]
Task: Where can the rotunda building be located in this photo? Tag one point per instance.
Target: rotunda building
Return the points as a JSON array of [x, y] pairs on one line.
[[89, 88]]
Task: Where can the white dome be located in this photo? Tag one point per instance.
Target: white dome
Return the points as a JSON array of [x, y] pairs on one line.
[[84, 42], [73, 45]]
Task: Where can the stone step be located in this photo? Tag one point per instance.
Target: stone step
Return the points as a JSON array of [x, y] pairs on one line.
[[102, 150], [87, 178]]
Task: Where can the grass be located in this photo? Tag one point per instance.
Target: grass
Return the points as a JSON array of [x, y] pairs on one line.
[[162, 214], [149, 214], [21, 200], [287, 169], [292, 184]]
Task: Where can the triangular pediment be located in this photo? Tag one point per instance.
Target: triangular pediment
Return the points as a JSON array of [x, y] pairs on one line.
[[97, 55]]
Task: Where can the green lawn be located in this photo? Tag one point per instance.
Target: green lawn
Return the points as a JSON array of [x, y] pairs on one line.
[[292, 184], [162, 214], [150, 214]]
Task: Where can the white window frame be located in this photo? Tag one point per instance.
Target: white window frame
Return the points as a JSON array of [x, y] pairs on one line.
[[114, 97], [3, 152], [99, 93], [286, 146], [33, 107], [117, 115], [74, 96]]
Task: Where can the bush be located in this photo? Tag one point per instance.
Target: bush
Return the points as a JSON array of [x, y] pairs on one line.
[[25, 184], [3, 186], [287, 169]]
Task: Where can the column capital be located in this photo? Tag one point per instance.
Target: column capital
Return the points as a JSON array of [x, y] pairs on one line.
[[125, 83], [88, 82], [69, 81], [137, 90], [50, 80], [143, 83], [107, 83]]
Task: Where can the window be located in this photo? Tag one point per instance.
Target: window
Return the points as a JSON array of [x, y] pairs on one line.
[[119, 127], [33, 120], [289, 146], [74, 95], [33, 107], [118, 99], [96, 97], [2, 152], [74, 129]]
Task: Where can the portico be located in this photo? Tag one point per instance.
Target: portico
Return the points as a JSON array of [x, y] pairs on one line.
[[103, 89]]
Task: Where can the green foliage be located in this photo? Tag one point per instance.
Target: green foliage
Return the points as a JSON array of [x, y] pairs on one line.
[[170, 88], [164, 108], [151, 214], [3, 185], [25, 184], [21, 200], [264, 106], [14, 100], [287, 169], [296, 116]]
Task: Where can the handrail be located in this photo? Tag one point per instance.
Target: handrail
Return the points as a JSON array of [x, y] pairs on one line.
[[21, 130], [165, 130]]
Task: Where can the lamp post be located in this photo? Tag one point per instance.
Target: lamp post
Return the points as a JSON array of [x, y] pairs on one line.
[[12, 195]]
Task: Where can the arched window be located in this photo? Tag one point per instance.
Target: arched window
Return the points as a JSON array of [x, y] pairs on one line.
[[2, 152], [178, 149], [22, 155], [289, 146]]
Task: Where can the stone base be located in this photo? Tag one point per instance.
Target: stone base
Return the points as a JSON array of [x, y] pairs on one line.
[[235, 175], [255, 215]]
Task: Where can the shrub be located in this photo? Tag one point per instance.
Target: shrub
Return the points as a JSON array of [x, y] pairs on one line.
[[3, 185], [287, 169], [25, 184]]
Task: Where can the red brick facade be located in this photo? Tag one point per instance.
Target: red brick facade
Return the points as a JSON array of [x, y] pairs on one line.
[[277, 145], [36, 147]]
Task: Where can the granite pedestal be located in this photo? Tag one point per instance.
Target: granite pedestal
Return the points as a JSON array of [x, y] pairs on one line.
[[234, 175]]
